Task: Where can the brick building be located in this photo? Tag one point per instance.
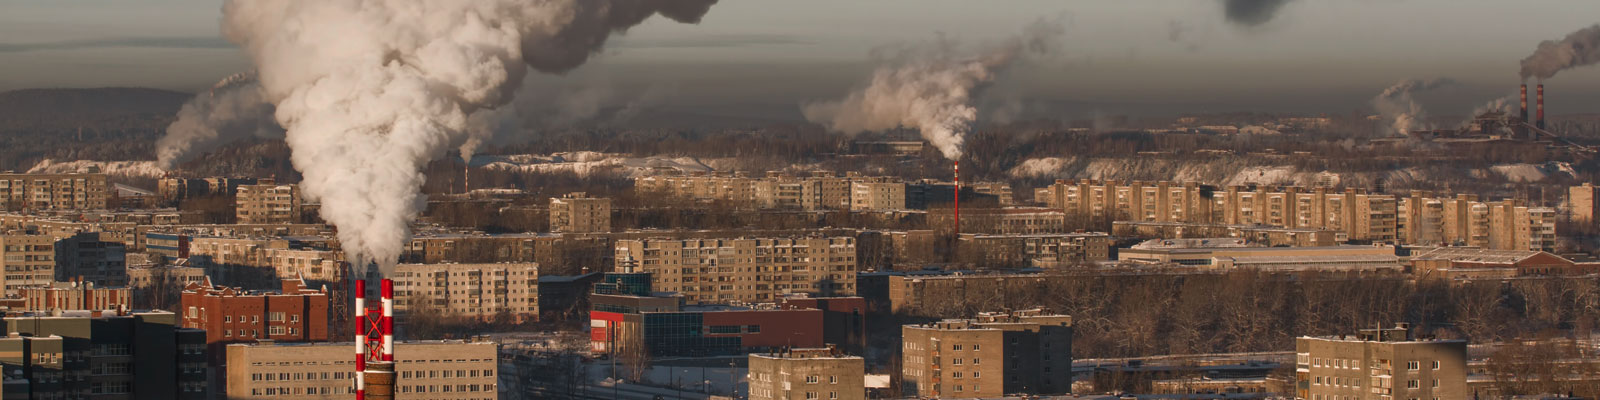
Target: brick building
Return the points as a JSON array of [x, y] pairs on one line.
[[233, 315], [995, 354]]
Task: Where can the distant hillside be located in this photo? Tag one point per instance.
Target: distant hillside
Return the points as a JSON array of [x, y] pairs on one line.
[[95, 102], [105, 124]]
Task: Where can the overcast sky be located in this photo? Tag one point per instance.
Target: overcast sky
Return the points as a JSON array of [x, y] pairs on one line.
[[1152, 56]]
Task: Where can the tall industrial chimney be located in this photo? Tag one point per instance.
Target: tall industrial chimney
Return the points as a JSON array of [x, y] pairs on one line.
[[1541, 106], [361, 338], [1524, 103], [958, 198], [375, 378]]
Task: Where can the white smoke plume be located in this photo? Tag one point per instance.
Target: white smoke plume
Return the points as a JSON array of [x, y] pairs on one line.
[[371, 90], [930, 88], [233, 109], [1399, 110], [1578, 49]]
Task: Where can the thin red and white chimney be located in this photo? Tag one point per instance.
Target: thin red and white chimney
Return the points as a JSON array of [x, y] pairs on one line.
[[360, 295], [388, 320], [958, 197], [1524, 103], [1541, 106]]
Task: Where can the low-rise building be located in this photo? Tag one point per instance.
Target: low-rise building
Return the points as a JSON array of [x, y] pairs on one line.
[[1226, 253], [442, 370], [1472, 263], [807, 374], [77, 295], [995, 354], [1380, 364], [482, 291]]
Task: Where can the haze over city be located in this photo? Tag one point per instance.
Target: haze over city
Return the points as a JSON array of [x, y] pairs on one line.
[[821, 199]]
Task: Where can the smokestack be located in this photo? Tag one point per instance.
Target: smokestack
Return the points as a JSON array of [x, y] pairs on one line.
[[1524, 103], [958, 197], [360, 295], [466, 170], [1541, 106], [388, 321]]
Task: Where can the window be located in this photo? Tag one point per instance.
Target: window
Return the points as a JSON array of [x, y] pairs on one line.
[[835, 379], [811, 395], [956, 375], [958, 388], [811, 379], [975, 348], [1413, 384], [955, 347], [955, 361], [976, 361], [1435, 383], [833, 395], [1413, 365], [1436, 365]]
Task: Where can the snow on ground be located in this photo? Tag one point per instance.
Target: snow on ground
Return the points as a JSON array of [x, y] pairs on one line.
[[144, 169], [1533, 172], [586, 163]]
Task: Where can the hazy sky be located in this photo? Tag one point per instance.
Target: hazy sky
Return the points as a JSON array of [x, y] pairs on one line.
[[764, 56]]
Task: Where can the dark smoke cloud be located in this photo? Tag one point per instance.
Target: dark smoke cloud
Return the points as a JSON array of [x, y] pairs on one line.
[[1576, 50], [1252, 13]]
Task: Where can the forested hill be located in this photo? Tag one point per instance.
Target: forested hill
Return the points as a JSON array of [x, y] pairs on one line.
[[95, 124]]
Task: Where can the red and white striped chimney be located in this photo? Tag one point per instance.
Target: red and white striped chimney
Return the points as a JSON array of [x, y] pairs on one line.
[[1541, 106], [388, 320], [958, 198], [1524, 103], [360, 295]]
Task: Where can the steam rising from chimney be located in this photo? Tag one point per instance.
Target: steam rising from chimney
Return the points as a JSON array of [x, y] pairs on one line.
[[1399, 110], [1578, 49], [370, 91], [931, 88], [233, 109]]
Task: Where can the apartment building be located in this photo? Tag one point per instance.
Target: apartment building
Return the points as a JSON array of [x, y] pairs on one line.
[[77, 295], [818, 191], [1225, 253], [313, 264], [94, 355], [175, 189], [1380, 364], [29, 260], [821, 373], [94, 257], [481, 291], [267, 203], [995, 354], [469, 248], [749, 270], [1040, 249], [579, 213], [54, 191], [1264, 235], [1582, 201], [1418, 218], [869, 196], [431, 370]]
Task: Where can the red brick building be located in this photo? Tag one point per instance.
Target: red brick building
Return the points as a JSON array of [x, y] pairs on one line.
[[233, 315]]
